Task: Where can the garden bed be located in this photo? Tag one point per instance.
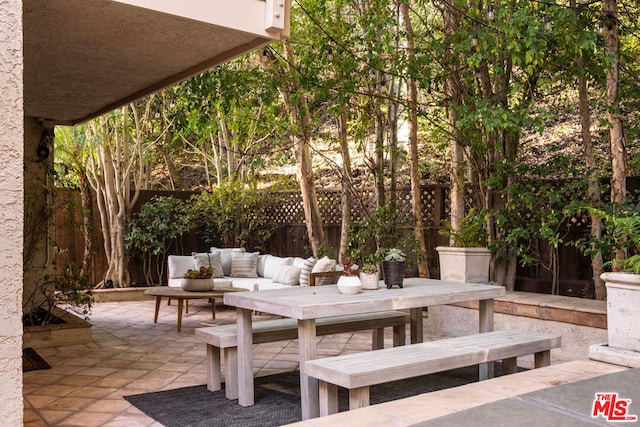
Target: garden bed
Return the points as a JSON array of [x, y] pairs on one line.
[[68, 330]]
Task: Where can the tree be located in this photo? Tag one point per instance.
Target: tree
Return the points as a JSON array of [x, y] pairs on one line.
[[416, 193], [295, 100], [117, 171], [71, 152]]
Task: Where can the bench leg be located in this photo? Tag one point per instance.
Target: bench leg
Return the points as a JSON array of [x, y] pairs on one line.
[[542, 358], [328, 394], [509, 366], [214, 380], [377, 339], [231, 372], [358, 397], [399, 335]]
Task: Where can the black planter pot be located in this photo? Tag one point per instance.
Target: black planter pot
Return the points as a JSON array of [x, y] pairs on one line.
[[393, 273]]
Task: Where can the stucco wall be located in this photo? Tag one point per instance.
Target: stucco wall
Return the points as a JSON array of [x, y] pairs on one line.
[[11, 211]]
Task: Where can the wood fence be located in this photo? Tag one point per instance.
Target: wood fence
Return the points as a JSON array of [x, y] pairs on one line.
[[290, 237]]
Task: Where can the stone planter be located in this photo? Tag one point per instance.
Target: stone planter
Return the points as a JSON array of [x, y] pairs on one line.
[[73, 331], [370, 280], [470, 265], [196, 285], [623, 310]]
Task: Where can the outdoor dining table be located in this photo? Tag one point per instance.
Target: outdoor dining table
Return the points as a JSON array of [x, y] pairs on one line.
[[306, 304]]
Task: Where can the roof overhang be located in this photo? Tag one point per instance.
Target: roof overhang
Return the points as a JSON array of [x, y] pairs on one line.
[[84, 58]]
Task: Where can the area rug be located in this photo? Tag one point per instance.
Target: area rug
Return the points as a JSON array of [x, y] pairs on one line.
[[32, 361], [277, 400]]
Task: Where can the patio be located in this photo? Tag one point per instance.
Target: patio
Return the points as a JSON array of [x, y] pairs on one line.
[[130, 354]]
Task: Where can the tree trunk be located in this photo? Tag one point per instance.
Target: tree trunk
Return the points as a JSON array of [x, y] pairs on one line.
[[300, 121], [617, 146], [379, 148], [453, 93], [87, 222], [593, 189], [416, 193], [347, 186]]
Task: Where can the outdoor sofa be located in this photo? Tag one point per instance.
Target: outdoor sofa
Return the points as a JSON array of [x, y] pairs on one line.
[[235, 267]]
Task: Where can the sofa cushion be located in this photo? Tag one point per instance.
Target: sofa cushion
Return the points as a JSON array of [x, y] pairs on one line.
[[298, 262], [271, 265], [177, 265], [244, 264], [209, 259], [306, 270], [252, 284], [225, 257], [325, 264], [288, 275]]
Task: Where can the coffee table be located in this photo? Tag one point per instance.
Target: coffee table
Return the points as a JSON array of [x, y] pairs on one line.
[[182, 295]]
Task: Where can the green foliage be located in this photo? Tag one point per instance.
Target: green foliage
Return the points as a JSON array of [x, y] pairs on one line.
[[471, 234], [394, 254], [622, 226], [158, 225], [234, 214], [70, 291], [202, 273], [370, 237]]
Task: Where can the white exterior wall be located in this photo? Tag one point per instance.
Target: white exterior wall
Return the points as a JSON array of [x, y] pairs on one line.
[[11, 211]]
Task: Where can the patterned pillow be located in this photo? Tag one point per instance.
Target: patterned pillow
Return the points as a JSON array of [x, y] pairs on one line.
[[288, 275], [225, 256], [244, 264], [325, 264], [209, 259], [306, 269]]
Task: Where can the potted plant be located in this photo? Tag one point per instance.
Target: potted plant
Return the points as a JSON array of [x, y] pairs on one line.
[[198, 280], [349, 282], [467, 259], [623, 286], [393, 267], [370, 276]]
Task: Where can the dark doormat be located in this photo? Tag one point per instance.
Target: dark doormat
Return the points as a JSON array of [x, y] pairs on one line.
[[31, 361], [277, 400]]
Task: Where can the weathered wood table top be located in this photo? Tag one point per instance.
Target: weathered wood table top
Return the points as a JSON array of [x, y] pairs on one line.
[[310, 303]]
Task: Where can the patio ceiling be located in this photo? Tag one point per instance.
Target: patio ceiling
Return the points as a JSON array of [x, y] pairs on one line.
[[83, 58]]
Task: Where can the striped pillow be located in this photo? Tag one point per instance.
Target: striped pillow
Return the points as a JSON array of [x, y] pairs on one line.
[[244, 264], [209, 259], [306, 270]]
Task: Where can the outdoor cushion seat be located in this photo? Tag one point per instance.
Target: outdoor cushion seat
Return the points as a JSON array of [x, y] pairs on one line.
[[268, 270]]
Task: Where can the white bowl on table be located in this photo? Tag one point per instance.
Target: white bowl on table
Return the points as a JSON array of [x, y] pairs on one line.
[[349, 285]]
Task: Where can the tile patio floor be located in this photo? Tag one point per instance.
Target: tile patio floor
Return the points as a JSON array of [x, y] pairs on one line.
[[130, 354]]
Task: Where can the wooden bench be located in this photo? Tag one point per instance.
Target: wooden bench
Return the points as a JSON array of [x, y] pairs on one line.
[[224, 337], [358, 371]]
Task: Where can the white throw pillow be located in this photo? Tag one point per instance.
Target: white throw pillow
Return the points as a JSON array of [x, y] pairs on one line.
[[306, 269], [288, 275], [225, 257], [177, 265], [325, 264], [209, 259], [244, 264], [272, 265], [298, 261]]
